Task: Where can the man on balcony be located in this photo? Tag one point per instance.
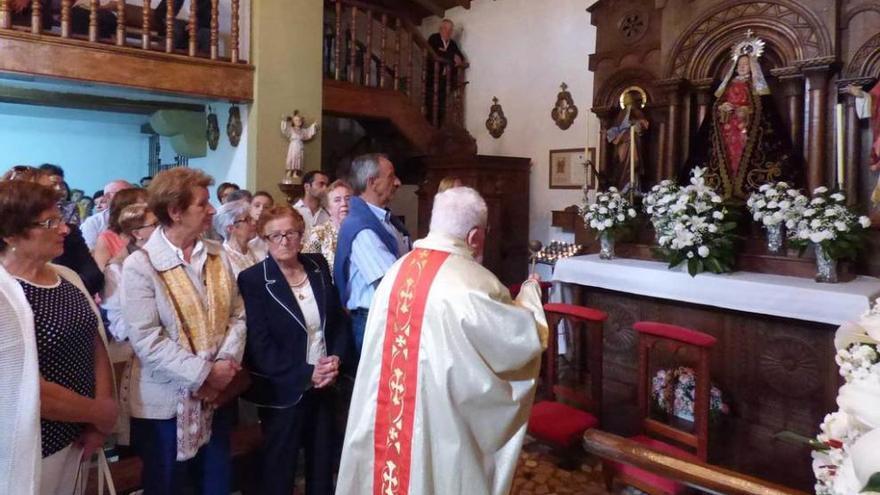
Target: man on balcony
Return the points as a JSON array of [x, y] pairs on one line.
[[451, 57]]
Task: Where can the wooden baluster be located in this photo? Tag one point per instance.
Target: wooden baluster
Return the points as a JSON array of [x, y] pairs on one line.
[[397, 55], [353, 55], [215, 28], [233, 52], [435, 105], [169, 29], [120, 22], [93, 21], [146, 13], [36, 17], [193, 28], [383, 35], [369, 50], [425, 62], [337, 57], [5, 15], [65, 18], [409, 78]]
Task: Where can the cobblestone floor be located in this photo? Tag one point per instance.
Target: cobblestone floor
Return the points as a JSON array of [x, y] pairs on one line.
[[538, 473]]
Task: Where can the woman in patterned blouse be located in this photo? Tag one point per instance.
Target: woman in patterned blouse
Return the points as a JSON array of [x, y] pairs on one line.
[[77, 405], [322, 238]]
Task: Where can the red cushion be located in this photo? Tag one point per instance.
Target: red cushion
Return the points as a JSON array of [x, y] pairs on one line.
[[674, 332], [651, 479], [558, 424], [580, 312]]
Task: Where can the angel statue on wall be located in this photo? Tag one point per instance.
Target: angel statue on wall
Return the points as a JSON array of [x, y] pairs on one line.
[[744, 144], [292, 129]]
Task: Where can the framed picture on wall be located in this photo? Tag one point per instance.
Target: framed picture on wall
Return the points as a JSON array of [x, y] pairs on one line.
[[567, 168]]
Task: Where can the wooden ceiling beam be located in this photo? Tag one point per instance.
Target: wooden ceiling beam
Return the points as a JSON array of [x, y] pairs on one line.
[[79, 101]]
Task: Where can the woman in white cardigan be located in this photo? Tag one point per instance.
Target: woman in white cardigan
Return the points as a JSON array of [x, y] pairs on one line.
[[70, 382]]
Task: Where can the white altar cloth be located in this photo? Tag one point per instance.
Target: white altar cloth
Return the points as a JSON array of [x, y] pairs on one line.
[[761, 293]]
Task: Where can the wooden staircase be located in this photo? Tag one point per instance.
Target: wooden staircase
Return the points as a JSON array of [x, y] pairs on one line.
[[378, 66]]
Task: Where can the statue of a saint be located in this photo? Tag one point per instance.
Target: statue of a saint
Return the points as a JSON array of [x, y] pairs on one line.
[[292, 129], [744, 144], [627, 158]]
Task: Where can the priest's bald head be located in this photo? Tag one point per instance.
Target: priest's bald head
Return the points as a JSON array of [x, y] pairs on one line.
[[461, 212]]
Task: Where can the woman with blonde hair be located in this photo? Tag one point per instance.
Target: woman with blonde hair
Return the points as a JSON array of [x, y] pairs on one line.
[[111, 243], [186, 326]]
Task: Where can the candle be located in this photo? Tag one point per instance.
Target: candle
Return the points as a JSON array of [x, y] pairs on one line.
[[632, 158], [839, 119]]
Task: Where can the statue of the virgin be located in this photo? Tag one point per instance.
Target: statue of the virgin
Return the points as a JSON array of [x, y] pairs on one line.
[[744, 144]]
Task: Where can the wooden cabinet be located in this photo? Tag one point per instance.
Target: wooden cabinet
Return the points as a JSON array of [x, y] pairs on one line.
[[504, 184]]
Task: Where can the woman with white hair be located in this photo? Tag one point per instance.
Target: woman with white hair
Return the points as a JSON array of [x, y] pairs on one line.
[[322, 238], [235, 225]]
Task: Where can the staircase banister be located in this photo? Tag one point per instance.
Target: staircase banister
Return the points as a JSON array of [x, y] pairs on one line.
[[409, 27]]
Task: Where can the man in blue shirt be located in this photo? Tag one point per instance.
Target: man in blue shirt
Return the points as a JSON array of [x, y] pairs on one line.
[[370, 239]]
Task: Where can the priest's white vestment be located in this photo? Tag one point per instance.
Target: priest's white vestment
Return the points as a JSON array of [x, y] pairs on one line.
[[446, 379]]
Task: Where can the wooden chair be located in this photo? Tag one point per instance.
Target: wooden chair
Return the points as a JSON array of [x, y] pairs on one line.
[[555, 423], [657, 434]]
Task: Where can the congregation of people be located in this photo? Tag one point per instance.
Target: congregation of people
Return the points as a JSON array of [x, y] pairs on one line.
[[163, 321]]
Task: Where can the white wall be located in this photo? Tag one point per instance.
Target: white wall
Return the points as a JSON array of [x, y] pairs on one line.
[[521, 51], [96, 147]]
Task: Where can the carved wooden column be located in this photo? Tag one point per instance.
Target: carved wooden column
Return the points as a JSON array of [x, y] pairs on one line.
[[794, 106], [703, 95], [36, 17], [672, 159], [817, 75], [853, 148]]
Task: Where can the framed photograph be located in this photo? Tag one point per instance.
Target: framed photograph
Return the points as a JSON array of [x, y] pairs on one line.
[[567, 167]]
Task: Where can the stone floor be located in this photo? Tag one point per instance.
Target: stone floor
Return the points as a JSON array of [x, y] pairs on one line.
[[538, 473]]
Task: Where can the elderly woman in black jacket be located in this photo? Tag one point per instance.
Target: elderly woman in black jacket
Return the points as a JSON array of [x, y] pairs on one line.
[[297, 337]]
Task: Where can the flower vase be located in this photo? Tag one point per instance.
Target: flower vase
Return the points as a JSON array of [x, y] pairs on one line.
[[606, 246], [775, 239], [826, 268]]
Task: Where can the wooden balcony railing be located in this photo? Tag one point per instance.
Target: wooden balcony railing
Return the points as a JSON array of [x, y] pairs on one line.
[[167, 53], [60, 23], [397, 58]]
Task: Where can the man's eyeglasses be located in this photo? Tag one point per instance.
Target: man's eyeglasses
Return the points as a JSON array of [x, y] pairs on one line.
[[247, 220], [147, 226], [50, 223], [291, 235]]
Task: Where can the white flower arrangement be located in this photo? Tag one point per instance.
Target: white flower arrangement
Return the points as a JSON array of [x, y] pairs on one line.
[[776, 204], [826, 221], [694, 226], [657, 202], [609, 213], [845, 457]]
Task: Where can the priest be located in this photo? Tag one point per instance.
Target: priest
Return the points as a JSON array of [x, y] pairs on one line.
[[448, 368]]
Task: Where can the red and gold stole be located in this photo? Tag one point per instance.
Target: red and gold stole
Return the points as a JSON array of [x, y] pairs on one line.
[[398, 380]]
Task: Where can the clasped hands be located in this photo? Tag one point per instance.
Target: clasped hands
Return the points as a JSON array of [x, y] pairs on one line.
[[326, 371], [222, 373]]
